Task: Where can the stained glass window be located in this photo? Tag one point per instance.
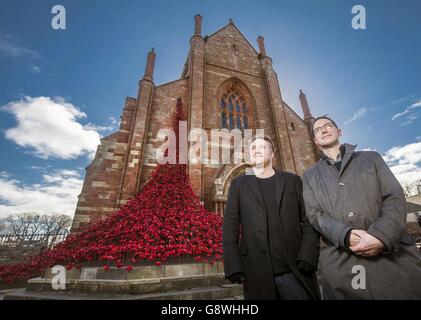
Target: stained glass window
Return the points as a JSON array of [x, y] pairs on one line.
[[224, 120], [234, 110], [223, 104], [237, 107], [246, 124], [244, 108], [231, 121]]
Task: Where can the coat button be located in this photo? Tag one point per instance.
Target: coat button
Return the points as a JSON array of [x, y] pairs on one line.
[[263, 251], [341, 183], [261, 213], [351, 214], [260, 231]]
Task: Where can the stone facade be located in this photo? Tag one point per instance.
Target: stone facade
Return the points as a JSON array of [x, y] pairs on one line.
[[219, 66]]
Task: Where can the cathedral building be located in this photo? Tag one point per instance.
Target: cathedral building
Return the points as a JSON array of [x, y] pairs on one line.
[[225, 84]]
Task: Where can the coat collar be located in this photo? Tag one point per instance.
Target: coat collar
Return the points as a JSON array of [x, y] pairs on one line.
[[346, 151], [323, 156], [279, 185]]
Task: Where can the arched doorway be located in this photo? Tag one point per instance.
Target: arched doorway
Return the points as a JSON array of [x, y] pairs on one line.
[[223, 182]]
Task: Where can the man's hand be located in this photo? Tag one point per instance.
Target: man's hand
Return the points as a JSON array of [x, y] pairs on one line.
[[238, 277], [368, 245], [354, 238]]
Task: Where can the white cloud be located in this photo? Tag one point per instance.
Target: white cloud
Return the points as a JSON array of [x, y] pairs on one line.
[[403, 99], [400, 114], [410, 111], [111, 127], [35, 69], [357, 115], [50, 128], [416, 104], [405, 162], [57, 194], [410, 119], [10, 48]]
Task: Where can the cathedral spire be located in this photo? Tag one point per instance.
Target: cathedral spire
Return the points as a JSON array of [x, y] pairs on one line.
[[306, 108], [198, 25], [150, 65], [261, 43]]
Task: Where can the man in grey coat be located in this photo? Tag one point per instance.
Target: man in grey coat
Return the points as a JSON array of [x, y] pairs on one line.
[[354, 200]]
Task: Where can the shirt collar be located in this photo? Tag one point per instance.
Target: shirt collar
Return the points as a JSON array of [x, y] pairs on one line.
[[338, 158]]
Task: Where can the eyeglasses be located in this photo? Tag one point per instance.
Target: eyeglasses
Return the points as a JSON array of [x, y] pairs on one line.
[[326, 126]]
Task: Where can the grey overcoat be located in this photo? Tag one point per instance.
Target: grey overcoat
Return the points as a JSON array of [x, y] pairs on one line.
[[364, 194]]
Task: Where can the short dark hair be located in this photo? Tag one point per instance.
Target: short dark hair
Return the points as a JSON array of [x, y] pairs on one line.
[[266, 138], [324, 117]]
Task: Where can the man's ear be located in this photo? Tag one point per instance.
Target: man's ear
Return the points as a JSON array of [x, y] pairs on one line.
[[339, 133]]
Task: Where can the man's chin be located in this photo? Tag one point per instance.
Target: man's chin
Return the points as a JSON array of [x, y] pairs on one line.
[[328, 143], [261, 164]]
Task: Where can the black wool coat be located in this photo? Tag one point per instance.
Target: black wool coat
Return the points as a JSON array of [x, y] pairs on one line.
[[245, 234]]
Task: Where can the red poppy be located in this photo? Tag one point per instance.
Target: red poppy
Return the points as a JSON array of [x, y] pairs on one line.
[[164, 220]]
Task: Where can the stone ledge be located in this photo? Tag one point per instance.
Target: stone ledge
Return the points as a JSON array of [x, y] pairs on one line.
[[141, 280], [144, 286], [142, 272], [204, 293]]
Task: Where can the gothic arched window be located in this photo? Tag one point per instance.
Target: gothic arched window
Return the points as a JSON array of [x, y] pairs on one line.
[[235, 109]]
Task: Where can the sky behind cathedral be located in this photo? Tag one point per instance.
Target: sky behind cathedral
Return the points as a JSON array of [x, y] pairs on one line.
[[61, 90]]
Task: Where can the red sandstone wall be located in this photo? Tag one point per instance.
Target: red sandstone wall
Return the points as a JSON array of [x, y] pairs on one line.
[[227, 55], [302, 146], [163, 108], [101, 186]]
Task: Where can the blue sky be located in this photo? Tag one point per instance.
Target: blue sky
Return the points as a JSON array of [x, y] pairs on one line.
[[63, 89]]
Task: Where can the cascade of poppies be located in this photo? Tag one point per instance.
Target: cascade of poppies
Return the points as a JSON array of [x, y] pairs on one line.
[[165, 220]]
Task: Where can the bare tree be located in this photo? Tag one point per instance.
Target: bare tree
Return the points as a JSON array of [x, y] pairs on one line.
[[412, 189], [418, 186], [407, 189], [54, 225], [3, 226], [24, 226], [29, 227]]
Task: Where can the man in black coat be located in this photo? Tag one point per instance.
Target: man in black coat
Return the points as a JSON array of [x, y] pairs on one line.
[[269, 245]]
